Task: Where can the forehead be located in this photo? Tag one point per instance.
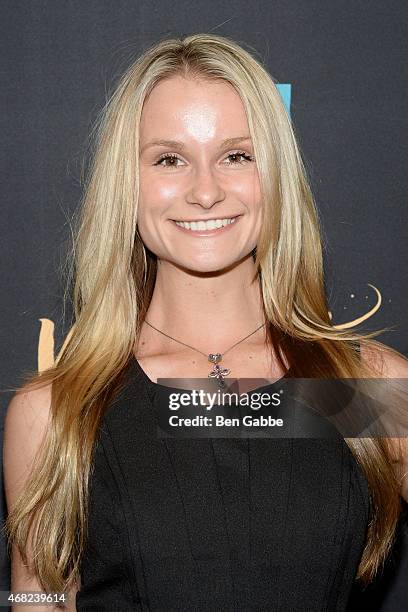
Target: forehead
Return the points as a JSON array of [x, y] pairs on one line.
[[193, 108]]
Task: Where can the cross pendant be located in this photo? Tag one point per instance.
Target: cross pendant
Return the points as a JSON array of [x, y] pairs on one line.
[[217, 372]]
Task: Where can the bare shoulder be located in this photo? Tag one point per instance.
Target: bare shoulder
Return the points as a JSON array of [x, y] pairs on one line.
[[25, 425], [392, 364], [28, 405], [386, 360], [24, 428]]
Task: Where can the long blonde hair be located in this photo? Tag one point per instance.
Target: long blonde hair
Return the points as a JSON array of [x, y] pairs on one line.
[[113, 284]]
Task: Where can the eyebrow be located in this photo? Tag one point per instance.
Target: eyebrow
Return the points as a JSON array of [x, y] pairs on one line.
[[177, 144]]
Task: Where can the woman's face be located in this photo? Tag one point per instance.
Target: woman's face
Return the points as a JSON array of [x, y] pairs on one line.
[[196, 166]]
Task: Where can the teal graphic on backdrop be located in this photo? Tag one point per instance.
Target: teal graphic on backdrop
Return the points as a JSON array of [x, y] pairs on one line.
[[285, 90]]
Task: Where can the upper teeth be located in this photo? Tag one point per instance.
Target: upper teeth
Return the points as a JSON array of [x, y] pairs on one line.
[[205, 225]]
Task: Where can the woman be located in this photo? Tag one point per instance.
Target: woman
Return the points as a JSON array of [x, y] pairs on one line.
[[198, 234]]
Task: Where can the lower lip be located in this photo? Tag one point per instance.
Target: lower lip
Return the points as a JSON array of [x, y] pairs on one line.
[[210, 232]]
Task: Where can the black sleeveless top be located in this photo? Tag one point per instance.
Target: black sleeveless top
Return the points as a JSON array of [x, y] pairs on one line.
[[201, 525]]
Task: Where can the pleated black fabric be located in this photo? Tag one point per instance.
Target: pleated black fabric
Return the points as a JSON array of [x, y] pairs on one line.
[[218, 525]]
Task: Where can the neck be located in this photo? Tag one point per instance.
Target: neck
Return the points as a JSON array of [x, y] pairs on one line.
[[209, 311]]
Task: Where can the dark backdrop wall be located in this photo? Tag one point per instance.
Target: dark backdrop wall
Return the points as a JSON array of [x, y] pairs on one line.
[[344, 65]]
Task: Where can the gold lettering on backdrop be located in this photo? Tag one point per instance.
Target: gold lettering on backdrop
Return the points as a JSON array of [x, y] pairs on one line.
[[46, 357], [363, 317], [46, 339], [46, 345]]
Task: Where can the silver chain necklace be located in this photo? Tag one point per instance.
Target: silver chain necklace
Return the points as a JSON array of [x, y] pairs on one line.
[[217, 372]]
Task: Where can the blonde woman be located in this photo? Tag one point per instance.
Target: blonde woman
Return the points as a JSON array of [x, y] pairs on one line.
[[198, 235]]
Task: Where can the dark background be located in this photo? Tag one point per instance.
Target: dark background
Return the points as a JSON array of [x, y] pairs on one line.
[[346, 63]]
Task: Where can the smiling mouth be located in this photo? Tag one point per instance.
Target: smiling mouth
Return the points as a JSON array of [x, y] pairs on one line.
[[208, 225]]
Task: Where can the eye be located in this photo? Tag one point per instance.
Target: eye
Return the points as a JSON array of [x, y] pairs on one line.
[[165, 157], [237, 154], [172, 159]]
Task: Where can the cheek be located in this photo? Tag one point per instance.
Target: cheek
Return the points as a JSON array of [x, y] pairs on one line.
[[155, 196], [156, 200], [247, 189], [156, 189], [166, 193]]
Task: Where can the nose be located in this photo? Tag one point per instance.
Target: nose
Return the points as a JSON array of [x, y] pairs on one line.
[[205, 188]]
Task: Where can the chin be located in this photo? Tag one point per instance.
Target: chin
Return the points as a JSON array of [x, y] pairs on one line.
[[210, 265]]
